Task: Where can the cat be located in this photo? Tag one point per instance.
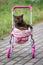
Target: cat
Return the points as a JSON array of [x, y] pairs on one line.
[[20, 23]]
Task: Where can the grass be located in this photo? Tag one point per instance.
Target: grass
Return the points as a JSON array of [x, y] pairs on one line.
[[6, 15]]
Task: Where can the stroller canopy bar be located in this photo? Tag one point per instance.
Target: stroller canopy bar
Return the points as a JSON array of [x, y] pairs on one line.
[[15, 7]]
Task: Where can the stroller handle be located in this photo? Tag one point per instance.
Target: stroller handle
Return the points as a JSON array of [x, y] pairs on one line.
[[15, 7]]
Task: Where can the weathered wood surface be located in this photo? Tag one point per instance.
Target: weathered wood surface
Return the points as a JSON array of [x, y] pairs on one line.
[[21, 55]]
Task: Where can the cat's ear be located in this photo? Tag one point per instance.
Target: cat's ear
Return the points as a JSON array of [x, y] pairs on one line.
[[21, 15], [14, 16]]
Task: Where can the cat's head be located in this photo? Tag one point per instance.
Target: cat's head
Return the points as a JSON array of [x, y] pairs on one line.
[[18, 19]]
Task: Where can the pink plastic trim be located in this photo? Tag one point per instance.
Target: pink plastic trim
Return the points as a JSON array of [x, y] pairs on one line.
[[21, 41], [15, 7]]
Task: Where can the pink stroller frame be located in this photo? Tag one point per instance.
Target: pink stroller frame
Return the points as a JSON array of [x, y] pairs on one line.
[[18, 37]]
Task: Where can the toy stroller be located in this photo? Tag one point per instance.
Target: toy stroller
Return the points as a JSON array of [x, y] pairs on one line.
[[18, 37]]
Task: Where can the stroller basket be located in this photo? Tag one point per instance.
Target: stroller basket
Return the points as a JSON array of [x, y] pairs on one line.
[[20, 36]]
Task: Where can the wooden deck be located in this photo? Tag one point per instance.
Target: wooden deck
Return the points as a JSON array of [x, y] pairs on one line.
[[21, 55]]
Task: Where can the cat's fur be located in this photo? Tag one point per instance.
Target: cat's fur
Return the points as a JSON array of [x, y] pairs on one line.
[[20, 23]]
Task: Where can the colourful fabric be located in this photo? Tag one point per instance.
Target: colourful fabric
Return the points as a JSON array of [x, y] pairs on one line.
[[20, 35]]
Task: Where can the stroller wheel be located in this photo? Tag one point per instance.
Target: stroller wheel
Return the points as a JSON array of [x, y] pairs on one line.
[[33, 52], [9, 52]]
